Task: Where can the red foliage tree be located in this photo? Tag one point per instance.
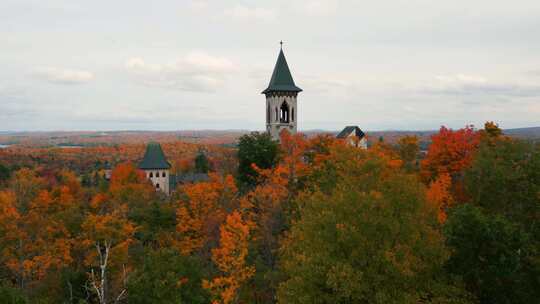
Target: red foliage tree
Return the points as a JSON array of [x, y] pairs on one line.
[[450, 152]]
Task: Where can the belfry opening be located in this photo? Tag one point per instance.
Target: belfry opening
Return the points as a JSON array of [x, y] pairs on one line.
[[284, 113]]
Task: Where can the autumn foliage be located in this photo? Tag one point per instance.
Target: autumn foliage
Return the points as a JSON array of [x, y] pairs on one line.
[[230, 258], [450, 152], [439, 195], [308, 219]]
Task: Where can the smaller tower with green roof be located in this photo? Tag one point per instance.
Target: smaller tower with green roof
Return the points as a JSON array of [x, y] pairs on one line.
[[156, 167], [281, 106]]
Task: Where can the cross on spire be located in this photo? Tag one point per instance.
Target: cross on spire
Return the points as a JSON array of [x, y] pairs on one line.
[[281, 44]]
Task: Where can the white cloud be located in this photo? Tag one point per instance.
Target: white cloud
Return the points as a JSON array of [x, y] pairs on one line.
[[64, 76], [255, 13], [318, 7], [198, 5], [533, 72], [462, 84], [196, 72], [460, 79]]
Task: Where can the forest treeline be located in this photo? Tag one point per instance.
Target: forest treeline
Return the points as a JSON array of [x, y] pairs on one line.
[[303, 221]]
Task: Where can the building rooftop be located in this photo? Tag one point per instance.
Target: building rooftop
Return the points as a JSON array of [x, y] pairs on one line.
[[281, 80], [154, 158], [348, 130]]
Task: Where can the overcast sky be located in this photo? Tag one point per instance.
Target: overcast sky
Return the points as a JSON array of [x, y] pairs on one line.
[[175, 65]]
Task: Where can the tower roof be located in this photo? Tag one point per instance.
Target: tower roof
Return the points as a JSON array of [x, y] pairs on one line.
[[281, 77], [154, 158]]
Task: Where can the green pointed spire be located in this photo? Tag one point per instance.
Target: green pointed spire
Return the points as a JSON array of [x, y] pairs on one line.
[[281, 80], [154, 158]]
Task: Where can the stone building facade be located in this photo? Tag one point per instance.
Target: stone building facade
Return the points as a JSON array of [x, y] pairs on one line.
[[156, 167]]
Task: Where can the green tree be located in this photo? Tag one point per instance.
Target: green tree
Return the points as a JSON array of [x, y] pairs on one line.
[[372, 238], [167, 277], [255, 149], [504, 184], [4, 174], [11, 295], [492, 256], [202, 165], [154, 221], [408, 149], [504, 179]]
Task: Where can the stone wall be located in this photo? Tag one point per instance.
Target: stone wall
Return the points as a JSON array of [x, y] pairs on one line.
[[159, 177]]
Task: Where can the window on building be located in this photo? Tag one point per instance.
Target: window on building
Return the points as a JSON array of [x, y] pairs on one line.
[[157, 186], [268, 114], [277, 114], [157, 173], [164, 174], [292, 114], [151, 174], [284, 113]]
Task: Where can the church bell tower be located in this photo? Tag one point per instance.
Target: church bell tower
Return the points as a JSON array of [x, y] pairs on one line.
[[281, 106]]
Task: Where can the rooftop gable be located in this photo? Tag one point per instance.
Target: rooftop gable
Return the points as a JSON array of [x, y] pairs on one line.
[[350, 129]]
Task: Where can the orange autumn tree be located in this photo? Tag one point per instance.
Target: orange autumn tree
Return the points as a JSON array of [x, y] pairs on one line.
[[264, 209], [230, 259], [267, 208], [106, 237], [12, 237], [129, 187], [277, 186], [388, 153], [293, 149], [202, 210], [34, 235], [319, 147], [107, 233], [129, 183], [279, 183], [438, 194], [450, 152]]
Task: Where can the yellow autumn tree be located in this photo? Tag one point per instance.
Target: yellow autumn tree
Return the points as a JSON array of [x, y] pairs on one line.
[[230, 259], [202, 210]]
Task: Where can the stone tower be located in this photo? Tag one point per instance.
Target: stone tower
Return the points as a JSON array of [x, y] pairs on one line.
[[281, 106], [156, 167]]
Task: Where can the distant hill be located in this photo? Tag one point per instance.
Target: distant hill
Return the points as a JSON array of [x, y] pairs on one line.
[[532, 133]]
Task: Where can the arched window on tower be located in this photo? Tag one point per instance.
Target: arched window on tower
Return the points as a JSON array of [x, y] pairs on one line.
[[157, 186], [151, 174], [268, 114], [284, 113], [292, 114], [277, 115]]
